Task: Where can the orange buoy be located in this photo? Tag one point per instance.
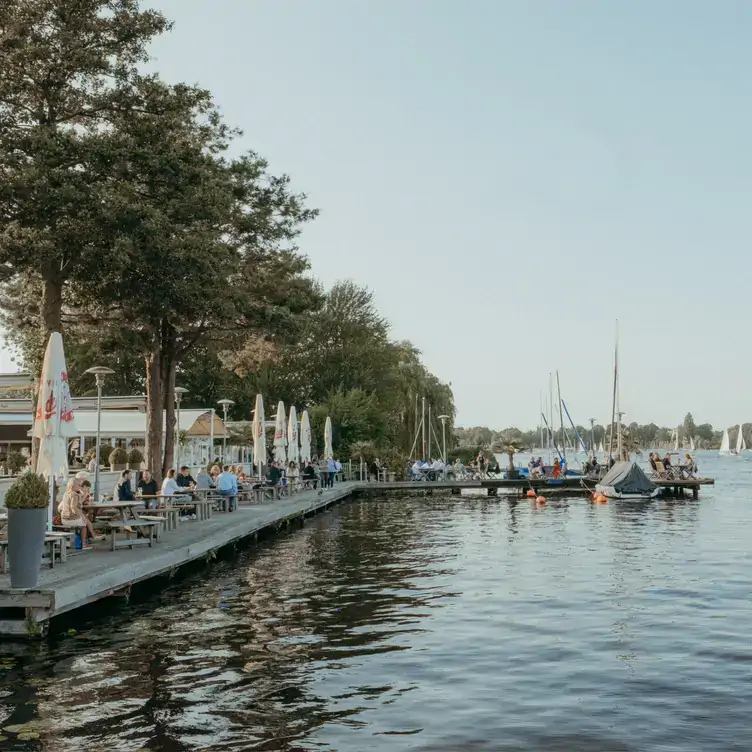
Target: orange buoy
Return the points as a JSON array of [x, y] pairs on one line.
[[541, 499], [602, 499], [531, 494], [595, 496]]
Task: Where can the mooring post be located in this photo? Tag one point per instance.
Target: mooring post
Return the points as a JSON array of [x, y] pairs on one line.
[[695, 492]]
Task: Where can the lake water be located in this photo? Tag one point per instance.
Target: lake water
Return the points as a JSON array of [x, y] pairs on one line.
[[438, 623]]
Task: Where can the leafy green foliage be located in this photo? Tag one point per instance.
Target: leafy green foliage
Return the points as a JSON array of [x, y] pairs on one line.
[[118, 456], [135, 457], [30, 491], [15, 462]]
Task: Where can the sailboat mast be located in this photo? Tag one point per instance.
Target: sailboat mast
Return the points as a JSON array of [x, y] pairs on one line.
[[561, 418], [614, 399], [540, 396], [550, 418]]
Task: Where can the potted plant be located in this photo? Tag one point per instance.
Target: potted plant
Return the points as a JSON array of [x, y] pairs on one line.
[[15, 462], [510, 445], [135, 458], [118, 459], [27, 501]]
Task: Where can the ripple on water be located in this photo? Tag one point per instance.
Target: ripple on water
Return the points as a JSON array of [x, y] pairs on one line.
[[425, 624]]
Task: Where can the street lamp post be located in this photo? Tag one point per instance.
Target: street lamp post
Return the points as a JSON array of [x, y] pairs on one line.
[[443, 419], [99, 372], [226, 404], [592, 436], [179, 392]]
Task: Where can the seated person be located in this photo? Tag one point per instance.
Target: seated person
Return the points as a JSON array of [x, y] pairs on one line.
[[204, 481], [169, 484], [275, 474], [71, 509], [184, 478], [227, 485], [148, 487], [308, 475], [123, 490]]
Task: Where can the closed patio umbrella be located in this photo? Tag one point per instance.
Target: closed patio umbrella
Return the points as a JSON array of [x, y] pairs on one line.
[[293, 449], [259, 436], [328, 448], [305, 437], [280, 440], [54, 423]]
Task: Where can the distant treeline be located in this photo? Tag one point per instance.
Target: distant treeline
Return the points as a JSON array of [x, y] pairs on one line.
[[646, 436]]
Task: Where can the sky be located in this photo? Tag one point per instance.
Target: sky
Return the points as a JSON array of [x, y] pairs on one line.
[[511, 177]]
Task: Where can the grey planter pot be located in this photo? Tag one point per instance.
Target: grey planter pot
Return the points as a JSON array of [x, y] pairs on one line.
[[118, 468], [25, 545]]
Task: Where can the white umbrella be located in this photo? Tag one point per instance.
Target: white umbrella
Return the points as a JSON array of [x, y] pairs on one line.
[[293, 450], [54, 423], [328, 449], [280, 442], [305, 437], [259, 435]]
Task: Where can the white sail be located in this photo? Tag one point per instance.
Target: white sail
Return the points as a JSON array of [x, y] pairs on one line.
[[601, 449], [691, 444], [740, 441], [676, 440], [725, 443]]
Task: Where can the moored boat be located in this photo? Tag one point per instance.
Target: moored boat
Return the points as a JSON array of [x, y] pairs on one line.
[[627, 480]]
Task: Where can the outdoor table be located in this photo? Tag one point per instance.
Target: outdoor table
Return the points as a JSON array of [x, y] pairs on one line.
[[126, 507]]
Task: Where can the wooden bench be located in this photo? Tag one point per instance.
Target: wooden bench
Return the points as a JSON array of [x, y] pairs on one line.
[[260, 495], [113, 527], [54, 549], [169, 515], [203, 507]]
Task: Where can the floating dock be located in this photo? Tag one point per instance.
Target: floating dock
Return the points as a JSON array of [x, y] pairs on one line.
[[100, 573]]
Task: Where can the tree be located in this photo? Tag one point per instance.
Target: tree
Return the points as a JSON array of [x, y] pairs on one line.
[[509, 443], [689, 426], [66, 68]]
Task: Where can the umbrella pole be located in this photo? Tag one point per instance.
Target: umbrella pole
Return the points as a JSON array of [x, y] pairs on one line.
[[52, 503]]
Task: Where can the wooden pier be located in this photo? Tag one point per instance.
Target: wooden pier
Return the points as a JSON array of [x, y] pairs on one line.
[[571, 486], [100, 573]]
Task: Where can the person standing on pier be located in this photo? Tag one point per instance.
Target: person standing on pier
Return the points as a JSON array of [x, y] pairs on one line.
[[331, 467]]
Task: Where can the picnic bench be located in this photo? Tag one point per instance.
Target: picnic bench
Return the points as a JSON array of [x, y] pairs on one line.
[[129, 527], [169, 515], [203, 507]]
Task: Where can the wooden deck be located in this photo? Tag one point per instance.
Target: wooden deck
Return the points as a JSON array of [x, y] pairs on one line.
[[571, 485], [99, 572]]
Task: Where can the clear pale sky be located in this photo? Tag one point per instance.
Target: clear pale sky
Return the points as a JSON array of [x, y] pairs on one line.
[[509, 177]]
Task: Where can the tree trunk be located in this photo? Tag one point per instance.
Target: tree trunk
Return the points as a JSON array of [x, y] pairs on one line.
[[154, 402], [168, 370], [52, 307], [52, 317]]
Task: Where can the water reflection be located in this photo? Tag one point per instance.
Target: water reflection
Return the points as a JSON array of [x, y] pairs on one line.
[[429, 623]]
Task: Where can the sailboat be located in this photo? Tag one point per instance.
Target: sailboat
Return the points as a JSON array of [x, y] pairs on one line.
[[691, 444], [601, 450], [626, 479], [740, 445], [725, 443]]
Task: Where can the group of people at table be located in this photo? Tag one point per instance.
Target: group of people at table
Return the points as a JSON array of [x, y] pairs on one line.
[[226, 480]]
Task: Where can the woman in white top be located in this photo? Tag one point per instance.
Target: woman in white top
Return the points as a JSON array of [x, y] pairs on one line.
[[169, 484]]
